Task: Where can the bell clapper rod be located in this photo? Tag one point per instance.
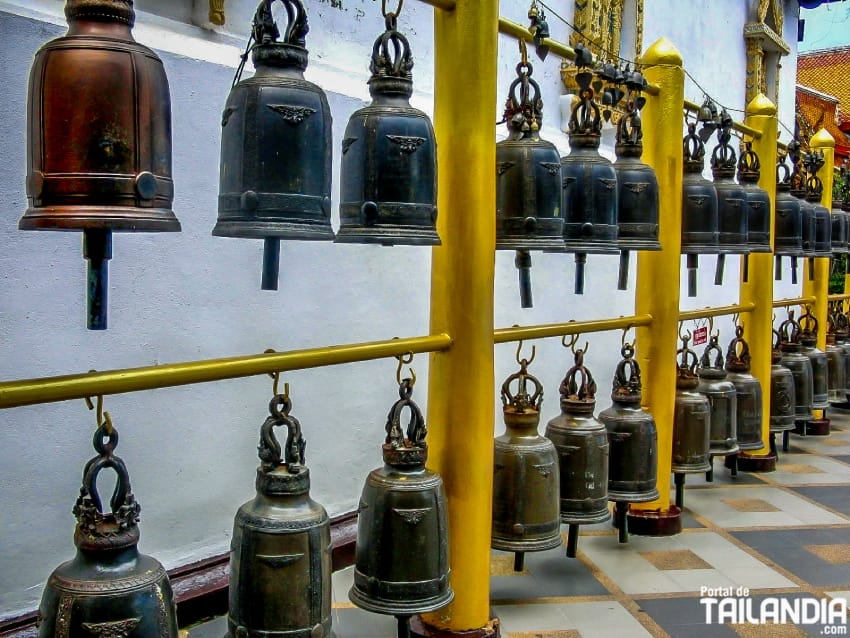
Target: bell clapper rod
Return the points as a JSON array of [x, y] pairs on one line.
[[523, 265], [745, 268], [581, 261], [777, 268], [679, 479], [519, 561], [97, 249], [718, 272], [403, 626], [709, 475], [572, 540], [271, 263], [811, 268], [623, 275], [692, 264], [621, 510], [793, 270]]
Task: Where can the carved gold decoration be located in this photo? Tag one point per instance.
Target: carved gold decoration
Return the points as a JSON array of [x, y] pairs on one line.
[[765, 48], [217, 16], [638, 29], [598, 25]]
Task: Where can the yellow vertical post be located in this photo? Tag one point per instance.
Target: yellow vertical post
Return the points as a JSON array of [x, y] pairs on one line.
[[761, 115], [656, 344], [819, 287], [461, 388]]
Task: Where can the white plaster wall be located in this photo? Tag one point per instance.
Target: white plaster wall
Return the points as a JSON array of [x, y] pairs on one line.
[[191, 451]]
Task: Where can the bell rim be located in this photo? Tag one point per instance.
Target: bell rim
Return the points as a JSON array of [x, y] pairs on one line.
[[410, 608], [755, 445], [780, 428], [637, 244], [699, 249], [537, 545], [388, 235], [262, 230], [554, 244], [114, 218], [586, 519], [722, 449], [591, 247], [691, 468], [634, 497]]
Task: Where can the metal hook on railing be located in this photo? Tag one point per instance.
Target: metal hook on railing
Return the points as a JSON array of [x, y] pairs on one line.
[[711, 331], [573, 339], [404, 359], [102, 417], [623, 337], [276, 380], [687, 332], [522, 361]]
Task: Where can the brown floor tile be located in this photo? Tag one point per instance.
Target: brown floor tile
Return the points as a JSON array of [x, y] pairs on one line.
[[800, 468], [750, 505], [503, 565], [835, 554], [675, 559]]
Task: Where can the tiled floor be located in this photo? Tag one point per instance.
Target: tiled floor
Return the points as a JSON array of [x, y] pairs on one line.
[[783, 535]]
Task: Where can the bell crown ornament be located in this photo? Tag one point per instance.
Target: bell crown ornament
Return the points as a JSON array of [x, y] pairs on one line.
[[686, 369], [627, 387], [578, 388], [738, 361], [789, 334], [709, 369], [405, 447], [694, 150], [282, 469], [723, 157], [585, 124], [522, 408], [808, 329], [749, 165]]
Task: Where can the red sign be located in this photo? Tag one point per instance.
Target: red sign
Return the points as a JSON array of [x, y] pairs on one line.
[[700, 336]]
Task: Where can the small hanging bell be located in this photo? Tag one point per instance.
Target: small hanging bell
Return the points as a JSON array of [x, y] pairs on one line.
[[782, 400], [388, 178], [691, 422], [731, 199], [788, 230], [633, 440], [800, 366], [528, 181], [758, 205], [582, 445], [835, 373], [823, 222], [637, 184], [748, 393], [99, 138], [589, 202], [280, 553], [108, 588], [699, 208], [402, 553], [526, 475], [275, 178], [723, 400]]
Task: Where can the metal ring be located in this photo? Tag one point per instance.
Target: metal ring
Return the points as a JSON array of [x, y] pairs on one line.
[[394, 13]]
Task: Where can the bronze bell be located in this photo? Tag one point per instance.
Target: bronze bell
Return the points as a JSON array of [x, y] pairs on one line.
[[835, 373], [275, 178], [800, 366], [840, 230], [699, 208], [589, 202], [280, 553], [528, 181], [582, 445], [633, 440], [388, 178], [732, 207], [748, 393], [782, 398], [402, 554], [108, 588], [799, 180], [808, 346], [691, 422], [99, 138], [788, 228], [637, 184], [823, 222], [526, 476], [723, 399], [758, 205], [842, 340]]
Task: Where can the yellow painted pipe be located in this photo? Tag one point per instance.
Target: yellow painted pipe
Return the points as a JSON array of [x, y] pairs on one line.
[[793, 301], [78, 386], [461, 385], [518, 333], [758, 326], [741, 127], [842, 297], [656, 346], [445, 5], [717, 311]]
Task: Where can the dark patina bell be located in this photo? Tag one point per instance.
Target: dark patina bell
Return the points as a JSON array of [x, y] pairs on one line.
[[691, 422], [748, 393], [633, 441], [108, 588], [835, 373], [402, 554], [758, 205], [842, 340], [99, 138], [800, 366], [732, 208], [823, 222], [782, 399], [589, 203], [699, 208], [526, 477], [388, 179], [788, 223], [275, 180], [528, 182], [808, 346], [582, 445], [723, 399], [799, 190], [637, 184], [280, 554], [840, 230]]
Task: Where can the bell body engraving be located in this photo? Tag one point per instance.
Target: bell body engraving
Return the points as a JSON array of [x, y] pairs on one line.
[[589, 198], [835, 373], [699, 201], [691, 417], [732, 209], [820, 383], [758, 202], [637, 216]]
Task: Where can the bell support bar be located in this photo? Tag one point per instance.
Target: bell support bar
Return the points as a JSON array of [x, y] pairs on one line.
[[717, 311], [842, 297], [738, 126], [517, 333], [796, 301], [79, 386]]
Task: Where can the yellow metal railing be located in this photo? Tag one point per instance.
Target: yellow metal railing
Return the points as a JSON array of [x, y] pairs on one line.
[[517, 333], [794, 301], [717, 311]]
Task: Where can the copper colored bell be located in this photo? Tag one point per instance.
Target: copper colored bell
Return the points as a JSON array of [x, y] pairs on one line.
[[108, 588], [528, 182], [388, 179], [788, 223], [582, 445], [723, 399], [402, 553], [748, 393], [280, 553], [732, 207], [808, 346], [275, 180], [800, 366], [758, 206], [699, 208], [637, 184], [526, 475], [781, 392], [633, 441], [691, 422], [99, 138], [590, 183]]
